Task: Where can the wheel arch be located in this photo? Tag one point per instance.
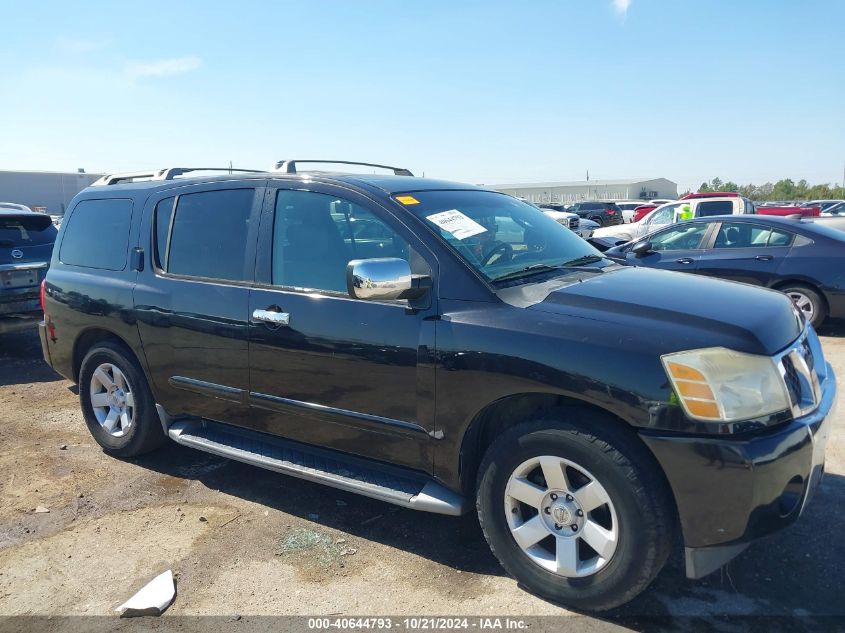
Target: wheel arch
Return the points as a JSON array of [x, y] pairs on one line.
[[800, 281], [92, 336], [514, 409]]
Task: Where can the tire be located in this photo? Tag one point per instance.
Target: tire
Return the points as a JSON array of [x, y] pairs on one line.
[[598, 220], [809, 301], [639, 513], [140, 431]]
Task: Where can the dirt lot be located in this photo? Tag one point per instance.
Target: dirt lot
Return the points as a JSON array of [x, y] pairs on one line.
[[245, 541]]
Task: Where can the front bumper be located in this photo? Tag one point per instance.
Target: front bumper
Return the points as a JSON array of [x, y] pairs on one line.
[[730, 491]]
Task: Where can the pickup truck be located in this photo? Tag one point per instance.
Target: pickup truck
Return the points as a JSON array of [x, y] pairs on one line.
[[665, 215], [807, 212]]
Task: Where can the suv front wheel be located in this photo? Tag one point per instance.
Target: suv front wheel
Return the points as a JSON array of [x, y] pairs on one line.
[[577, 516], [116, 402]]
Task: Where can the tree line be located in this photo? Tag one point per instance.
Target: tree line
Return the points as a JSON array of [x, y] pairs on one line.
[[786, 189]]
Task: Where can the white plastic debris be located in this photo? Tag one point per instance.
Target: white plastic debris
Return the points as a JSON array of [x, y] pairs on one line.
[[152, 599]]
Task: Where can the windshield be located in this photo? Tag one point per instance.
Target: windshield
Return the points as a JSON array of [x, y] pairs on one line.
[[499, 236]]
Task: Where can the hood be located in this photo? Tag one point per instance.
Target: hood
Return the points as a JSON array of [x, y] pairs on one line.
[[669, 311]]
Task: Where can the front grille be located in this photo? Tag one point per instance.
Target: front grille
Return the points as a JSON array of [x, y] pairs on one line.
[[574, 223], [798, 366]]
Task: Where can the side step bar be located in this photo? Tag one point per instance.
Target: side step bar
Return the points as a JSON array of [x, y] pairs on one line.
[[354, 474]]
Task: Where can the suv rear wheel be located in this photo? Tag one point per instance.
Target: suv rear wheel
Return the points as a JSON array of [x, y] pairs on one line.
[[578, 517], [117, 403]]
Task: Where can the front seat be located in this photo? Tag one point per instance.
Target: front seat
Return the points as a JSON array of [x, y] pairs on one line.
[[727, 238], [314, 254]]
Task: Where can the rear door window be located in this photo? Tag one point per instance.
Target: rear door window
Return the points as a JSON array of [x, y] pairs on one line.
[[742, 235], [97, 234], [207, 236]]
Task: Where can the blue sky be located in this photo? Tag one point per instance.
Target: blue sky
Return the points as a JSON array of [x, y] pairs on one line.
[[478, 91]]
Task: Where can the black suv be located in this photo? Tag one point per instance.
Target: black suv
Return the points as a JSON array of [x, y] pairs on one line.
[[446, 348], [605, 213], [26, 246]]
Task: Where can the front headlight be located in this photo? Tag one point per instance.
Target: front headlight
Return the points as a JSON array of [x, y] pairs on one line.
[[720, 385]]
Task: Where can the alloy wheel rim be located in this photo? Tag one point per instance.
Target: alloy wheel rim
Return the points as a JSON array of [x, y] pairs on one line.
[[803, 303], [112, 399], [561, 517]]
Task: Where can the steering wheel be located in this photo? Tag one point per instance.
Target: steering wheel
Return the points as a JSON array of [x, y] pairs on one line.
[[502, 249]]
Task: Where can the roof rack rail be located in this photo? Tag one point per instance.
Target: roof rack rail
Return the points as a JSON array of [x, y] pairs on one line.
[[289, 166], [168, 173]]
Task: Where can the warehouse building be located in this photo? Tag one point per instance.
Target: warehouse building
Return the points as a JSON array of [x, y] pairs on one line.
[[45, 191], [566, 192]]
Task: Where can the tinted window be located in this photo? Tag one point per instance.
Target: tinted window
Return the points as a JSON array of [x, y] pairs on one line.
[[742, 235], [209, 236], [164, 211], [316, 235], [715, 207], [97, 234], [26, 230], [682, 237]]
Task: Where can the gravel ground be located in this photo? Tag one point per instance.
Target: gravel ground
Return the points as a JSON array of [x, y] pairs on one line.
[[241, 540]]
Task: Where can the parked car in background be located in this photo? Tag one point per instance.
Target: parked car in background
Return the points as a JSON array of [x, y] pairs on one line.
[[834, 210], [786, 210], [464, 357], [586, 228], [14, 206], [804, 260], [26, 245], [666, 214], [823, 205], [604, 213], [643, 210], [628, 207], [570, 220]]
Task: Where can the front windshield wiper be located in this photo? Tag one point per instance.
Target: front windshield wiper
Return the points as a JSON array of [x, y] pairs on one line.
[[583, 261], [536, 269]]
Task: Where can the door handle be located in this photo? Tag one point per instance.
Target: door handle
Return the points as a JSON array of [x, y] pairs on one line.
[[764, 258], [684, 260], [271, 316]]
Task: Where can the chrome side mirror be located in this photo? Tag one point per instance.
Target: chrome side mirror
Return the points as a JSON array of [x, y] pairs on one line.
[[383, 279]]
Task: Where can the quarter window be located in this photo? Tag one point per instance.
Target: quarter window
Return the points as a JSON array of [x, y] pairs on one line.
[[208, 236], [97, 234], [316, 235]]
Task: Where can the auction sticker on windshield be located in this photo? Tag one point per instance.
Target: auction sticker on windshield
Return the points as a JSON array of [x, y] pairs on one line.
[[456, 223]]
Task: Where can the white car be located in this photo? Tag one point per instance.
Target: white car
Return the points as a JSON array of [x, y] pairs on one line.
[[570, 220], [666, 214], [627, 207], [14, 206]]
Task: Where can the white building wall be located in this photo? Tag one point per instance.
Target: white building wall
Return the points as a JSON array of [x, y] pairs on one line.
[[591, 190]]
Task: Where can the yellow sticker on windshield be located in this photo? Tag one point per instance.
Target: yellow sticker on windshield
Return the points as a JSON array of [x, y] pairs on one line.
[[407, 200]]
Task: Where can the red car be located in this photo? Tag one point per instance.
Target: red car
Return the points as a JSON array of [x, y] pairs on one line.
[[641, 211]]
